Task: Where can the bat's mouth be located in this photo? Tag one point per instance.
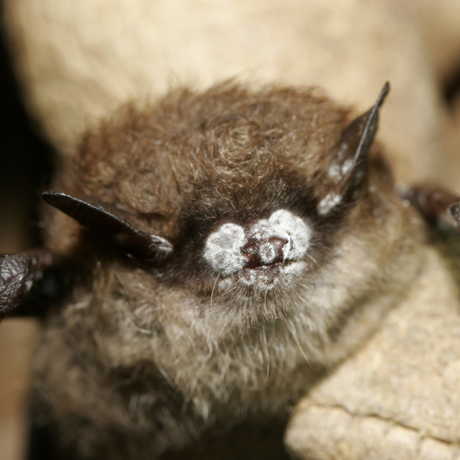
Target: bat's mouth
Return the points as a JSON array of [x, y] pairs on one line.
[[265, 277]]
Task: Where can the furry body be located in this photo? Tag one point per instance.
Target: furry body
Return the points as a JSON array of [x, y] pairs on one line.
[[141, 360]]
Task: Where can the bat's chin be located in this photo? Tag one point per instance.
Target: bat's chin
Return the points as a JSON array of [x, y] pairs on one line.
[[265, 277]]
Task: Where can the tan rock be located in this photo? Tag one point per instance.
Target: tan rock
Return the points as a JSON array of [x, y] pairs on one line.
[[78, 60], [398, 397]]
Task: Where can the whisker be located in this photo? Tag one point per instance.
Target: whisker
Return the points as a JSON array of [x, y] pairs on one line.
[[296, 340], [265, 352], [213, 288], [315, 262]]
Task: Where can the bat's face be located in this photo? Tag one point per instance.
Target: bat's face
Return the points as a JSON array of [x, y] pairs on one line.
[[232, 197]]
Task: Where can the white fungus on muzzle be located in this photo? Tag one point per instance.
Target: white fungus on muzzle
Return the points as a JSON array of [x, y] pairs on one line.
[[280, 239]]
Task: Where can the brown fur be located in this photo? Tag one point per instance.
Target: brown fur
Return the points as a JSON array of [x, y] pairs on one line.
[[140, 361]]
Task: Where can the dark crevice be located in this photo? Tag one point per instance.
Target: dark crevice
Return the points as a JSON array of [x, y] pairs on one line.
[[451, 86], [26, 158]]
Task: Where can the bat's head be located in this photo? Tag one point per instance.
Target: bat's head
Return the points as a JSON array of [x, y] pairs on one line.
[[236, 198]]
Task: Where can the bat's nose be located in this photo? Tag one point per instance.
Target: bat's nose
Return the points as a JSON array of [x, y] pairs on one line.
[[264, 251]]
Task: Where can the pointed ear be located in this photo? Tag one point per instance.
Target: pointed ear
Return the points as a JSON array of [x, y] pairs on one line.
[[19, 273], [437, 205], [348, 168], [142, 245]]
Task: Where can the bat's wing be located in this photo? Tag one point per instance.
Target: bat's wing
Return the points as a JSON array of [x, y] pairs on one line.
[[144, 246], [437, 205], [20, 275]]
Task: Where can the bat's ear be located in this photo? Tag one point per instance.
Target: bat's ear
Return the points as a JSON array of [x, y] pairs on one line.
[[348, 168], [438, 206], [142, 245], [19, 274]]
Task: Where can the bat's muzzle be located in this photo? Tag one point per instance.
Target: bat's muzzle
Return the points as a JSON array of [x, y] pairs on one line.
[[260, 252]]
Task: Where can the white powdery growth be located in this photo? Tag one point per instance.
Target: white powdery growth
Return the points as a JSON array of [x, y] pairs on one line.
[[267, 252], [328, 203], [294, 269], [261, 232], [347, 165], [298, 232], [223, 249], [338, 171], [335, 171]]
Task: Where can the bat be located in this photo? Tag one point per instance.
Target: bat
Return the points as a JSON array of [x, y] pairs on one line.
[[208, 256]]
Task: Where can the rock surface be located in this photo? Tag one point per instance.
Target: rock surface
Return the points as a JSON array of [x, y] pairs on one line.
[[398, 397], [79, 60]]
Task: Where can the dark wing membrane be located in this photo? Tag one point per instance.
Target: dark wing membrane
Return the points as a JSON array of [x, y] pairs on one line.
[[454, 212], [19, 273], [96, 218], [437, 205]]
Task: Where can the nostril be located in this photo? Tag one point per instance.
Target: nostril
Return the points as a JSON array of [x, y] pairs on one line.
[[251, 251], [265, 251], [278, 245]]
